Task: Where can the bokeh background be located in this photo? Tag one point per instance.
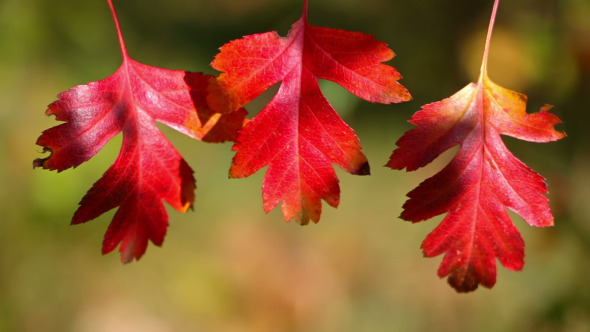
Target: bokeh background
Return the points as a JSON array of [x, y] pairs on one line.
[[227, 266]]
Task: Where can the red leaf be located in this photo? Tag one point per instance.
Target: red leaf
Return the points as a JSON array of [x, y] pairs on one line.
[[481, 182], [148, 170], [298, 134]]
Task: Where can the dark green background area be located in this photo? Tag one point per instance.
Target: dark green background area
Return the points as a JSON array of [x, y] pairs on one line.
[[227, 266]]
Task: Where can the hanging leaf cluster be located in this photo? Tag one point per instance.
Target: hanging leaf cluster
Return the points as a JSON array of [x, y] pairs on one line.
[[300, 137]]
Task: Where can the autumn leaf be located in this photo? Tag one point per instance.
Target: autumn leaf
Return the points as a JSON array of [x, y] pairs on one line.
[[482, 181], [148, 169], [298, 135]]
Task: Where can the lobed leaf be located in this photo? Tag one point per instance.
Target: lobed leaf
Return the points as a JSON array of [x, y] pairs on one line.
[[148, 170], [481, 182], [298, 135]]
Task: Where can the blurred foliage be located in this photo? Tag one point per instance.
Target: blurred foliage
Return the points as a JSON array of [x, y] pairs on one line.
[[228, 266]]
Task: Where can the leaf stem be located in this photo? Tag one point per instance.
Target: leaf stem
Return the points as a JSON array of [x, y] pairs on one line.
[[305, 3], [484, 63], [119, 34]]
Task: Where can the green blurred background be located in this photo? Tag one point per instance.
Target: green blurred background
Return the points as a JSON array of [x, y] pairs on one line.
[[229, 267]]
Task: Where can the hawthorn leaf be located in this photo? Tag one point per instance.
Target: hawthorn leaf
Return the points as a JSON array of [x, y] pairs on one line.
[[148, 170], [298, 135], [482, 181]]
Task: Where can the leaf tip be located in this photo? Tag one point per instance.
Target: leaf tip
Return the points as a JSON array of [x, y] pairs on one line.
[[304, 220], [463, 287], [403, 95], [187, 206], [546, 108], [365, 169], [467, 282], [127, 257], [39, 162]]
